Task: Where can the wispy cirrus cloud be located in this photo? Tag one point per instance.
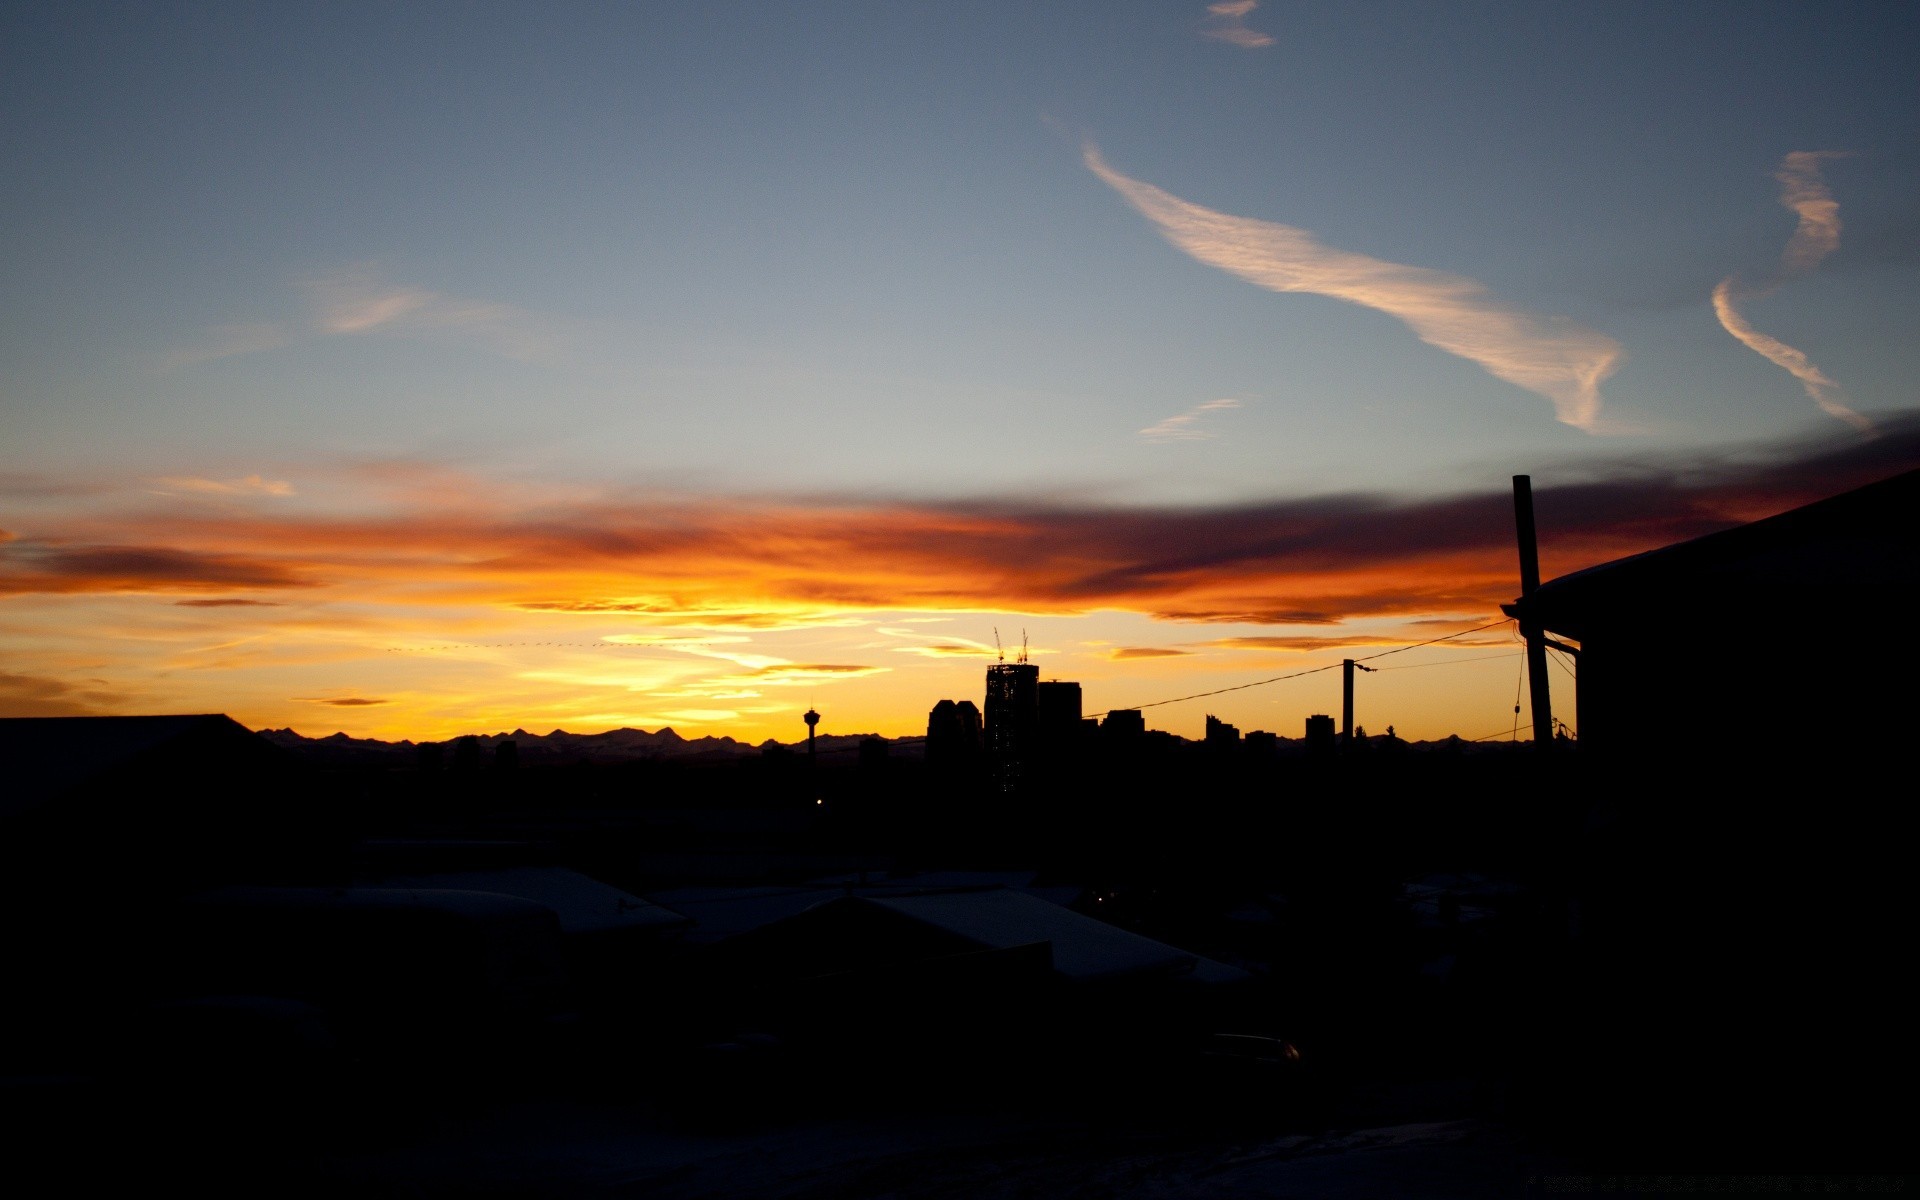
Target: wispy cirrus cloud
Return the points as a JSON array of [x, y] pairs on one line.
[[798, 674], [1551, 357], [1227, 22], [1185, 426], [360, 300], [1816, 234], [251, 485]]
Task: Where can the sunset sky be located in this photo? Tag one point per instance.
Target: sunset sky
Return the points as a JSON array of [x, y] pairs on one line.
[[418, 369]]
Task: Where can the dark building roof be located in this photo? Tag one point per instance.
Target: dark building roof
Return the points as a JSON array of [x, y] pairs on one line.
[[871, 929], [45, 758], [1861, 548], [584, 905]]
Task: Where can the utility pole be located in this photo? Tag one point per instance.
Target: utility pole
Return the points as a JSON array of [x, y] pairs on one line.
[[1347, 666], [1346, 702], [1537, 682]]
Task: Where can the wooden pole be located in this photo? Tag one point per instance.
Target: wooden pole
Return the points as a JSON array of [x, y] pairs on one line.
[[1537, 682], [1346, 702]]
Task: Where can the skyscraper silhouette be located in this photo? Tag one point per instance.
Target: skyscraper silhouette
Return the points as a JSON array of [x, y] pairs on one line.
[[1013, 716]]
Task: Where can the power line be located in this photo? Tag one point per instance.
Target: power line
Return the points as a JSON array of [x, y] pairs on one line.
[[1517, 681], [1312, 671], [1179, 699], [1238, 687], [1562, 665], [1514, 732], [1449, 662], [1434, 641]]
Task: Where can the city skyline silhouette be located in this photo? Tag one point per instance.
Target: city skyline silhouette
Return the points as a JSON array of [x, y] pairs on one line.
[[869, 600]]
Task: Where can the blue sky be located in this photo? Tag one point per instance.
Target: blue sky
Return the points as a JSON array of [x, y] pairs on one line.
[[857, 251]]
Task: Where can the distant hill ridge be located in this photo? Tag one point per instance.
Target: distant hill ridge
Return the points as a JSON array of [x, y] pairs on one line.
[[559, 746]]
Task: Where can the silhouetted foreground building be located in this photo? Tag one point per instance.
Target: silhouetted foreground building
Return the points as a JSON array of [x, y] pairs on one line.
[[181, 800], [50, 759], [1744, 871], [1705, 644]]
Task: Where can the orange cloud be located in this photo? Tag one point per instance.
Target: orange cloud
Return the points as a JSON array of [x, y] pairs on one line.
[[1123, 653], [723, 564], [44, 565], [1305, 645], [252, 485]]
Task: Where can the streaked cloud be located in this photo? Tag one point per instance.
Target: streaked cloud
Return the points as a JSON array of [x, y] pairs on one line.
[[1822, 390], [359, 300], [1185, 426], [1552, 357], [227, 602], [740, 567], [665, 611], [1309, 644], [1816, 234], [42, 566], [795, 674], [342, 701], [1227, 22], [25, 695], [252, 485], [960, 648], [1123, 653], [1805, 193]]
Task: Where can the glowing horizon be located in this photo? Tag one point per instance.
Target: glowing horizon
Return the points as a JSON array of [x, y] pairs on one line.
[[423, 371], [450, 610]]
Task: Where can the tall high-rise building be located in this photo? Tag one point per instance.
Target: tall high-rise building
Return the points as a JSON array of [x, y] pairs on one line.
[[953, 734], [1013, 715], [1058, 702]]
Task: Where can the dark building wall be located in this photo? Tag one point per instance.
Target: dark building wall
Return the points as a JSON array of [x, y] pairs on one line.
[[1701, 648], [1058, 701]]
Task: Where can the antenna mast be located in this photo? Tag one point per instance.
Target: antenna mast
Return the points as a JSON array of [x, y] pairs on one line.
[[1023, 645]]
